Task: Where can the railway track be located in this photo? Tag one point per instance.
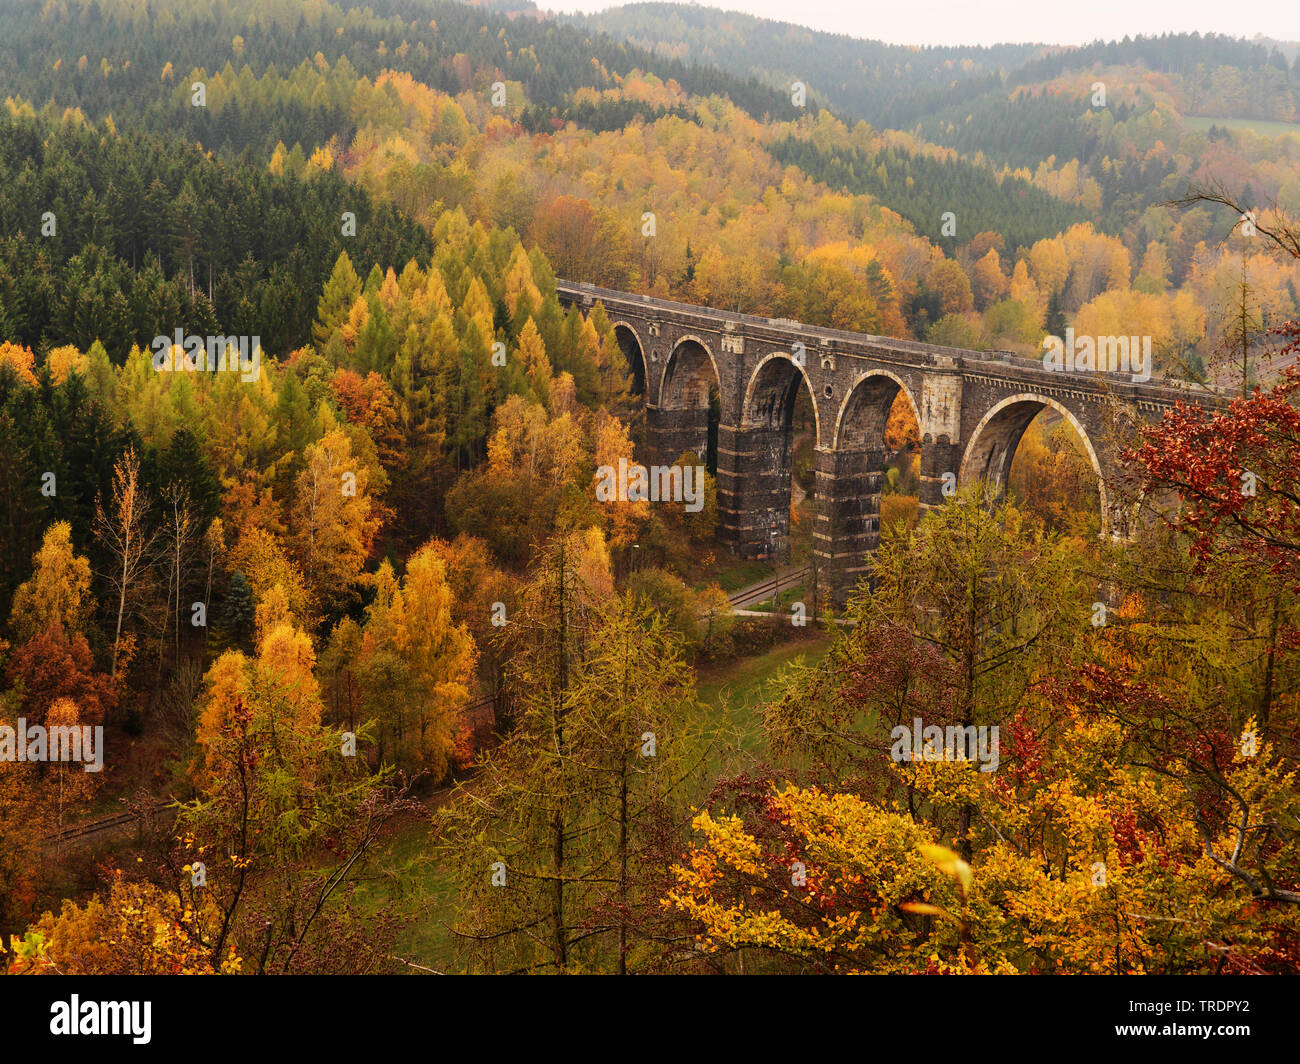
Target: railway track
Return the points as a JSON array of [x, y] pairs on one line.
[[747, 596], [108, 823], [479, 714]]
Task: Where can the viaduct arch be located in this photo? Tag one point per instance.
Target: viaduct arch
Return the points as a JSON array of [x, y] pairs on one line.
[[972, 408]]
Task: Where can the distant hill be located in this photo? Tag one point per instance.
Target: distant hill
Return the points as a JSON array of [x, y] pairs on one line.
[[887, 84], [894, 86]]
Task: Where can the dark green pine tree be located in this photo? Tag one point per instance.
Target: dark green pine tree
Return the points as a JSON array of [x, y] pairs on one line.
[[237, 614], [1055, 315], [184, 462]]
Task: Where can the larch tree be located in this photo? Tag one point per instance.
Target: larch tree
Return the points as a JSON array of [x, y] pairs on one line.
[[536, 366], [333, 519], [284, 819], [440, 655], [971, 595], [339, 294], [559, 847], [414, 666]]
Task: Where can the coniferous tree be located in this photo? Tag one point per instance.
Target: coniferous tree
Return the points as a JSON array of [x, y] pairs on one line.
[[237, 612]]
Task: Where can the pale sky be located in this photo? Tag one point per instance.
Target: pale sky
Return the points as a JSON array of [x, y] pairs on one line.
[[992, 21]]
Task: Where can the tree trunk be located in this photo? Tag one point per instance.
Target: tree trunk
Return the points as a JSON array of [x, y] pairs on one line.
[[622, 869], [557, 824]]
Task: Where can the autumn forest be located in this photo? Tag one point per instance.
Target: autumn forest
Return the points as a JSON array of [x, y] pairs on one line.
[[324, 650]]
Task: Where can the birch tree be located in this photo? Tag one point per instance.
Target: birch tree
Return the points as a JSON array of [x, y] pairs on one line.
[[126, 536]]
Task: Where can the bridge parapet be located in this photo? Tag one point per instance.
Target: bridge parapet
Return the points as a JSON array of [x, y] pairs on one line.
[[972, 408]]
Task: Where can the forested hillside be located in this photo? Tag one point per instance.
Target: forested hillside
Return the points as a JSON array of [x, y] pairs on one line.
[[888, 85], [103, 57], [146, 235], [896, 86], [302, 498]]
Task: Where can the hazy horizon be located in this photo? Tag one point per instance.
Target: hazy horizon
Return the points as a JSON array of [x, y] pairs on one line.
[[943, 22]]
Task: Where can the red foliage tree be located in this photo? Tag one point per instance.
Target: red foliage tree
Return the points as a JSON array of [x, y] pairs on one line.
[[1237, 471], [52, 665]]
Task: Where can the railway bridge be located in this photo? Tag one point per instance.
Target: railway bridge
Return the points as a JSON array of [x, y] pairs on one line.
[[972, 408]]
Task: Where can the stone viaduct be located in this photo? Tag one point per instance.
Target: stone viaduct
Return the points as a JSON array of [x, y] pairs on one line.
[[972, 408]]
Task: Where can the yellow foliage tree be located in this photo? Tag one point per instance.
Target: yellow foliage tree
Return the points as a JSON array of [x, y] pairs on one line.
[[58, 592], [333, 519], [839, 886], [20, 359], [65, 360], [624, 520], [416, 665], [138, 929]]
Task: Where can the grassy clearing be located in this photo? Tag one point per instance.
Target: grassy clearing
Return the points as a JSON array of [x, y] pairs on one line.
[[428, 896], [1260, 126], [786, 598], [742, 574], [733, 696]]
